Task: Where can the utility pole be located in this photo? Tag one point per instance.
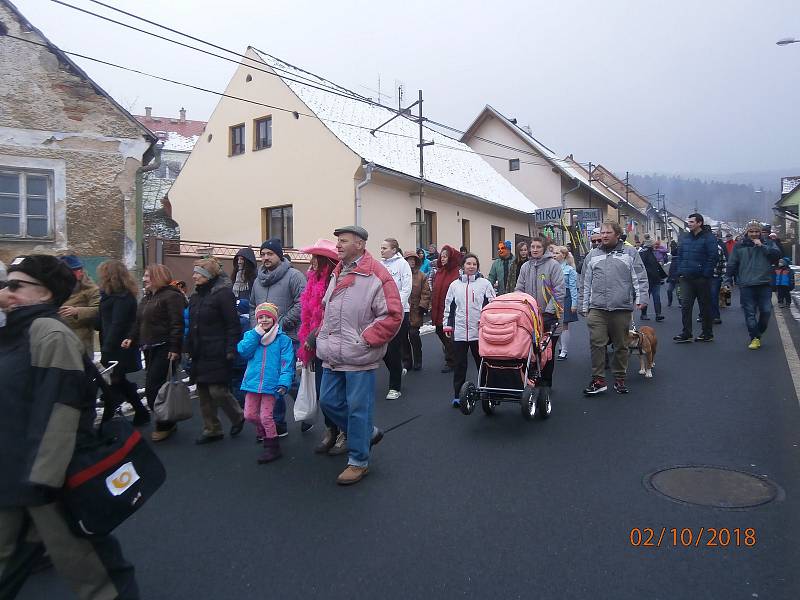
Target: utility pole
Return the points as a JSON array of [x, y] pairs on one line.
[[406, 112]]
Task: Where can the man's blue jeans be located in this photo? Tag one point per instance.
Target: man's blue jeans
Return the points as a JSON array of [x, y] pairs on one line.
[[347, 399], [756, 299], [716, 284], [279, 412]]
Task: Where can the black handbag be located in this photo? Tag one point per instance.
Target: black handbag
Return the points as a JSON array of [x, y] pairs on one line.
[[113, 472]]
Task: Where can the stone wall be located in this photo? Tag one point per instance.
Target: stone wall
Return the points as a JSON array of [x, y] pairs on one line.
[[51, 114]]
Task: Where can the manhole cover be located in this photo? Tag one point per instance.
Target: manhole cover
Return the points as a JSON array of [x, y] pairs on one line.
[[713, 486]]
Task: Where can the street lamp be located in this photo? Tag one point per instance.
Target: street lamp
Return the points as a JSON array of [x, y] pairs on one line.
[[786, 41]]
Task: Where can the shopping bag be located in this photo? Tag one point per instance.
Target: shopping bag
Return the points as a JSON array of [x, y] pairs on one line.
[[305, 406], [173, 402]]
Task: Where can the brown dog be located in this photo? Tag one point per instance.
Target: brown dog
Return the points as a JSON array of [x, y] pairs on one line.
[[644, 342]]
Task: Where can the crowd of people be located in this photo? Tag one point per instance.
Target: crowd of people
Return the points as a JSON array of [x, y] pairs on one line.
[[239, 337]]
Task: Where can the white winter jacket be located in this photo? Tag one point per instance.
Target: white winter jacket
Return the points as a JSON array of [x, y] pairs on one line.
[[400, 271], [465, 298]]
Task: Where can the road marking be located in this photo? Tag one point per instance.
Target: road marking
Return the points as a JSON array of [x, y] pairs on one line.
[[791, 352]]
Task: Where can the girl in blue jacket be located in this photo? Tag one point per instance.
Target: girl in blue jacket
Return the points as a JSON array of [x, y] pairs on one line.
[[270, 369]]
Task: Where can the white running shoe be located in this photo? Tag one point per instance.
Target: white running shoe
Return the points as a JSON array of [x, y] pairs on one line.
[[393, 395]]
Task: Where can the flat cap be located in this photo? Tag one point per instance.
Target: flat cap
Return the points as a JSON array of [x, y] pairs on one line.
[[354, 229]]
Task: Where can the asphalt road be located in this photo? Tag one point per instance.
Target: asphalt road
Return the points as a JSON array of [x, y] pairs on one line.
[[479, 507]]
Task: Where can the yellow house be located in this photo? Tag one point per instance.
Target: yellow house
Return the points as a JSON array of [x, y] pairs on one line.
[[288, 154], [539, 173]]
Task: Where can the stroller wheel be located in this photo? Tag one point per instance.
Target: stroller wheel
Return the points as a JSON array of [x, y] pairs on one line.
[[486, 404], [545, 405], [528, 402], [466, 398]]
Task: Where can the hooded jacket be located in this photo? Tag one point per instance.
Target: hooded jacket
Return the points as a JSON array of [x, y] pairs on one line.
[[613, 279], [241, 284], [362, 313], [425, 267], [282, 286], [270, 366], [400, 271], [543, 279], [420, 299], [445, 275], [214, 330], [465, 298], [44, 403], [751, 265], [697, 254]]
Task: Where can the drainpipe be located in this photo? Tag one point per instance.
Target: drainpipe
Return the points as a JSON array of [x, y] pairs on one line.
[[367, 178], [139, 207]]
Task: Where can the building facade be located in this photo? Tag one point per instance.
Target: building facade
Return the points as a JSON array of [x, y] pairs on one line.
[[70, 156]]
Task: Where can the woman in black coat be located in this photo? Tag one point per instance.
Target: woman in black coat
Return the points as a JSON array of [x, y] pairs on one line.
[[115, 318], [214, 331], [655, 276]]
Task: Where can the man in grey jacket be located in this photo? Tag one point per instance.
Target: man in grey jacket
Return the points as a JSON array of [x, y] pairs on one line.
[[614, 282], [281, 284]]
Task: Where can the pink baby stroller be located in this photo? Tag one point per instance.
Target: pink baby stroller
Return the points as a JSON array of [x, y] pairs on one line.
[[514, 349]]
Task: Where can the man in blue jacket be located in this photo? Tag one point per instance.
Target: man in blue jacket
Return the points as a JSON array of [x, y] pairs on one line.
[[694, 265], [751, 265]]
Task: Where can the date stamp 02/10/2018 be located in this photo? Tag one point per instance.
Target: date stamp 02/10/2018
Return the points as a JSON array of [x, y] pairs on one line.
[[687, 537]]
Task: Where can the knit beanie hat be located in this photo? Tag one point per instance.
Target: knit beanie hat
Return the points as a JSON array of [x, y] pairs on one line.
[[267, 308], [49, 271], [275, 245]]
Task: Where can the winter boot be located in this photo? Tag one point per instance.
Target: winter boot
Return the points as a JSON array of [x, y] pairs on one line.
[[272, 451], [141, 415]]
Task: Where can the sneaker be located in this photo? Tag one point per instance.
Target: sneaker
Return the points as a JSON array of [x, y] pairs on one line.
[[562, 356], [619, 386], [340, 447], [352, 474], [282, 429], [660, 317], [305, 427], [393, 395], [755, 344], [456, 403], [717, 321], [597, 386], [682, 339], [704, 338]]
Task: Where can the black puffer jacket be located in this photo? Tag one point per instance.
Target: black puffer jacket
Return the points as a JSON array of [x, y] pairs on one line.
[[159, 319], [214, 331], [117, 314]]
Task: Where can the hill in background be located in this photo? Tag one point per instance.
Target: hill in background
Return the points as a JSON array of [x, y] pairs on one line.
[[735, 197]]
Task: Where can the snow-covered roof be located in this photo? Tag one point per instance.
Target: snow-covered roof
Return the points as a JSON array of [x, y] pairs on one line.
[[178, 143], [788, 184], [448, 162]]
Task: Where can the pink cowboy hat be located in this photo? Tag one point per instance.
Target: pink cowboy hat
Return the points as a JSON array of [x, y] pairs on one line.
[[323, 247]]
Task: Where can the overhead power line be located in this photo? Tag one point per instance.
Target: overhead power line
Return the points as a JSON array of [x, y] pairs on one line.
[[255, 102], [332, 87]]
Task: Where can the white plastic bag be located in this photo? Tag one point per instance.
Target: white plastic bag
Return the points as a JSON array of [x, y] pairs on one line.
[[305, 406]]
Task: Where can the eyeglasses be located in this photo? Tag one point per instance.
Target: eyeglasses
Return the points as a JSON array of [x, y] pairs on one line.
[[15, 284]]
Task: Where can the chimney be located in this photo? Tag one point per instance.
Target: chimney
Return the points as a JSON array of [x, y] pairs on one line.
[[183, 115], [148, 111]]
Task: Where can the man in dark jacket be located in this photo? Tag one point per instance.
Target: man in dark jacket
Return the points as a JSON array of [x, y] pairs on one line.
[[46, 406], [282, 285], [694, 265], [750, 264]]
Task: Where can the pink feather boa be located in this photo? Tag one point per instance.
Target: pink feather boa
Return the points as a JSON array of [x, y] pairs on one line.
[[311, 310]]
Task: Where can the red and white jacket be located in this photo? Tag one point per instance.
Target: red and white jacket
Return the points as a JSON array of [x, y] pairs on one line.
[[465, 298], [362, 313]]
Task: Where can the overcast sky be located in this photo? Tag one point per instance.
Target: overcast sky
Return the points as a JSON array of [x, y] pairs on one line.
[[671, 87]]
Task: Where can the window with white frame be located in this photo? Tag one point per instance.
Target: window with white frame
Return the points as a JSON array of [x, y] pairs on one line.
[[26, 204]]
